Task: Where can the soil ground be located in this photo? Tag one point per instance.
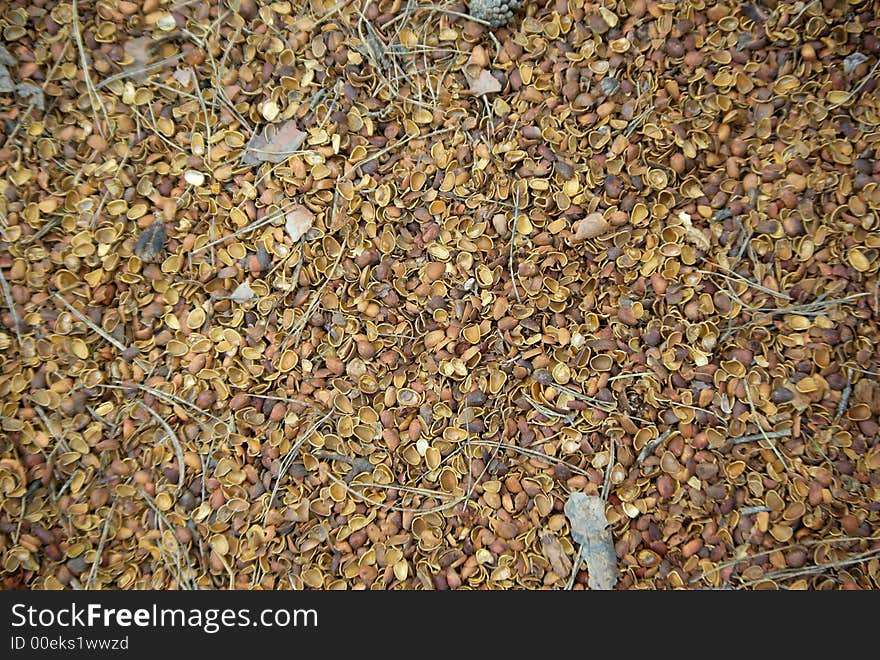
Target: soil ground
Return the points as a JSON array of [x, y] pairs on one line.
[[356, 295]]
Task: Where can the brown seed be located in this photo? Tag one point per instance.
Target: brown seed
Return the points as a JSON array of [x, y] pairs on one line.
[[665, 485], [366, 349], [691, 547], [279, 410], [434, 271]]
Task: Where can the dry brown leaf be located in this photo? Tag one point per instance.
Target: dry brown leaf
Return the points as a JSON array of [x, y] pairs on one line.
[[32, 93], [484, 83], [693, 234], [183, 76], [243, 293], [553, 552], [298, 221], [139, 50], [273, 145], [6, 84], [7, 58], [586, 513]]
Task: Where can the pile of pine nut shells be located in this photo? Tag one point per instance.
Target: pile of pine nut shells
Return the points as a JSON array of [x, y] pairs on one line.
[[354, 295]]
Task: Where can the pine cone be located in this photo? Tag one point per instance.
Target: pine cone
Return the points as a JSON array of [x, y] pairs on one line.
[[497, 13]]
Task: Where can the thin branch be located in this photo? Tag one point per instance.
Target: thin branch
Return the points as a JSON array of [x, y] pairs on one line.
[[94, 98], [844, 397], [740, 278], [287, 461], [532, 454], [512, 243], [651, 445], [122, 75], [767, 435], [174, 443], [100, 550], [606, 486], [761, 428], [399, 143], [10, 303]]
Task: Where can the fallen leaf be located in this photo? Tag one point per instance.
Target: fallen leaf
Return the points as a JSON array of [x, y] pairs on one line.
[[273, 145], [553, 552], [33, 93], [484, 83], [151, 242], [6, 84], [139, 50], [591, 226], [7, 58], [243, 293], [298, 221], [586, 513], [852, 61], [693, 234], [183, 76]]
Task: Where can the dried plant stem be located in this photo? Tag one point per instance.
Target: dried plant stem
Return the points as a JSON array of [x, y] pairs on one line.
[[740, 278], [134, 139], [139, 70], [94, 97], [575, 567], [547, 412], [844, 397], [817, 569], [801, 12], [349, 487], [767, 435], [532, 454], [811, 309], [172, 436], [49, 76], [300, 324], [636, 374], [288, 459], [651, 445], [93, 571], [198, 90], [690, 407], [185, 582], [256, 224], [456, 14], [857, 88], [512, 244], [96, 329], [10, 303], [54, 432], [749, 510], [170, 399], [396, 145], [863, 371], [283, 399], [606, 486], [765, 553]]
